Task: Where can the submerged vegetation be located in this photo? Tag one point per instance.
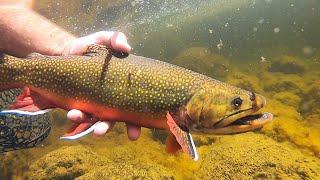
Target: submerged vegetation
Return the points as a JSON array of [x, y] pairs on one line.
[[245, 155], [288, 147]]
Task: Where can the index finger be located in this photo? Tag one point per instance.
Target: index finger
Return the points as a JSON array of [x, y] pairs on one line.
[[115, 40]]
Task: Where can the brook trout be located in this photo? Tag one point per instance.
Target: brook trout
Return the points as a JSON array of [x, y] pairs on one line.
[[136, 90]]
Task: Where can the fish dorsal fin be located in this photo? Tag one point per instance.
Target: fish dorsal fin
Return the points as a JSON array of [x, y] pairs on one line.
[[183, 137], [97, 50], [102, 50]]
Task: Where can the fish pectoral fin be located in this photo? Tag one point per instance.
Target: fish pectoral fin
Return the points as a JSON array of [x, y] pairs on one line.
[[172, 146], [80, 130], [29, 101], [183, 137]]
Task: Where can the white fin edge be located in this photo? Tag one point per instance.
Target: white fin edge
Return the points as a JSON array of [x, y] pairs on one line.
[[196, 156], [77, 136], [25, 112]]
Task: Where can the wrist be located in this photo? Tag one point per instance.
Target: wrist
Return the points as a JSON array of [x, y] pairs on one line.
[[20, 37]]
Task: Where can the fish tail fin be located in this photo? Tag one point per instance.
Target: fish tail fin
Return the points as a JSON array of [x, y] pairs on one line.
[[21, 129]]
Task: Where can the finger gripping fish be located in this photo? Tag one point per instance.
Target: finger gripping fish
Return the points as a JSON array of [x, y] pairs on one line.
[[136, 90]]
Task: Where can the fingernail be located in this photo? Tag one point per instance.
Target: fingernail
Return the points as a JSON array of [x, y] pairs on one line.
[[101, 129], [133, 132], [75, 115]]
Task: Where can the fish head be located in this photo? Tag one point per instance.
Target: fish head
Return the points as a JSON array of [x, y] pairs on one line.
[[224, 109]]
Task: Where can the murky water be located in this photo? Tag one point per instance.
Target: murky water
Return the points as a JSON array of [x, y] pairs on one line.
[[271, 47]]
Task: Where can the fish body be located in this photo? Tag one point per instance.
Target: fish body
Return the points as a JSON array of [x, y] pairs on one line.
[[136, 90], [135, 85]]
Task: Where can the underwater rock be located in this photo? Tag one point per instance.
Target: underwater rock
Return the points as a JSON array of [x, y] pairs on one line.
[[312, 95], [255, 156], [13, 164], [287, 64], [279, 82], [314, 119], [251, 83], [248, 155], [310, 104], [200, 59], [205, 140], [301, 133], [279, 109], [288, 98], [82, 163], [289, 125], [66, 163], [314, 91], [130, 171]]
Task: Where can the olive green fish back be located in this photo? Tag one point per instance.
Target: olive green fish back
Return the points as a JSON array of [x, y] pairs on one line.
[[134, 83]]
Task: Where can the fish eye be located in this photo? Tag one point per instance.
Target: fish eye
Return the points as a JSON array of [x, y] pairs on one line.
[[236, 102]]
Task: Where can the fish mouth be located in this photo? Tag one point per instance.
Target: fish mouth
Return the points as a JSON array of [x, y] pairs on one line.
[[255, 119], [240, 125]]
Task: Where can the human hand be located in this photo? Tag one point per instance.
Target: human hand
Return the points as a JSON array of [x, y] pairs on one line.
[[115, 40]]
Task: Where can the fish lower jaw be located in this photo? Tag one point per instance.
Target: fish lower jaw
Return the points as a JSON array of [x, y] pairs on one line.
[[241, 125], [253, 119]]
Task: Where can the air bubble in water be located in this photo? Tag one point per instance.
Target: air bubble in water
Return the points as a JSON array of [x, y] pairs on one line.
[[308, 50], [276, 30]]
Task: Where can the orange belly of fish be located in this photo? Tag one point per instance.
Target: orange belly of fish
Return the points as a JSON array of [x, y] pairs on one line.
[[102, 112]]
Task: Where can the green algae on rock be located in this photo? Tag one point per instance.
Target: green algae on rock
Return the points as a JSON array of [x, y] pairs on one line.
[[130, 171], [287, 64], [279, 82], [83, 163], [288, 98], [202, 60], [251, 83], [254, 156], [66, 163], [244, 156], [311, 98]]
